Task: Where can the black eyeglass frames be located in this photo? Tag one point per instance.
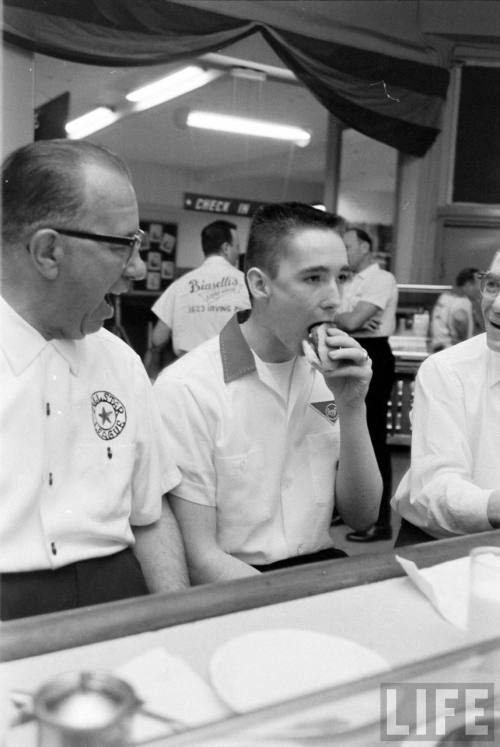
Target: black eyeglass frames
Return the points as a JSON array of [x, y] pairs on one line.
[[133, 242]]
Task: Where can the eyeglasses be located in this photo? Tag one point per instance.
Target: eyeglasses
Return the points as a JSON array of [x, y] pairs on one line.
[[133, 243], [489, 284]]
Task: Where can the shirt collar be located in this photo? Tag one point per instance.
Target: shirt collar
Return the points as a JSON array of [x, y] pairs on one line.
[[22, 343], [216, 259], [237, 358], [367, 271], [69, 350]]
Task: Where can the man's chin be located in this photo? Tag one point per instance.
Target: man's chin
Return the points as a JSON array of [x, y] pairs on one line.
[[90, 327]]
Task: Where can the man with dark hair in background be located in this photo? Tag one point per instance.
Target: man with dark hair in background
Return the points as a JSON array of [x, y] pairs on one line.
[[267, 444], [197, 305], [368, 312], [84, 462]]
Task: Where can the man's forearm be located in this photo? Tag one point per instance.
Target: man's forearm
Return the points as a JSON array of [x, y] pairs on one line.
[[219, 566], [358, 485], [160, 551]]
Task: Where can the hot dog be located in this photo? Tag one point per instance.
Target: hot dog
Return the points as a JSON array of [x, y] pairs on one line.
[[316, 349]]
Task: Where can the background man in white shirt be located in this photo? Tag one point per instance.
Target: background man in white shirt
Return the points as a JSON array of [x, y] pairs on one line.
[[453, 484], [267, 444], [83, 458], [368, 312], [195, 307], [453, 316]]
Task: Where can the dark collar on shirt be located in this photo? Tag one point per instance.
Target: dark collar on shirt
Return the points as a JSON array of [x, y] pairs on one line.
[[237, 358]]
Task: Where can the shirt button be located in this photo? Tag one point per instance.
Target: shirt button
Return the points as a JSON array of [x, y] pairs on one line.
[[300, 549]]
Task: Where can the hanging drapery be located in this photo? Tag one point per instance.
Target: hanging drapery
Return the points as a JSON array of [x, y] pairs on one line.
[[394, 100]]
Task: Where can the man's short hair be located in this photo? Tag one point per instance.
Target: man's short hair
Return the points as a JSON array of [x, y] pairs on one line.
[[42, 185], [216, 234], [362, 235], [273, 223], [467, 275]]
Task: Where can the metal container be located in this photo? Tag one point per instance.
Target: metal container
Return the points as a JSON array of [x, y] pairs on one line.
[[84, 709]]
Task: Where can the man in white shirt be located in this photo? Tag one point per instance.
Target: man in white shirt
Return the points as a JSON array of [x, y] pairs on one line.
[[453, 484], [84, 463], [368, 312], [452, 318], [195, 307], [266, 444]]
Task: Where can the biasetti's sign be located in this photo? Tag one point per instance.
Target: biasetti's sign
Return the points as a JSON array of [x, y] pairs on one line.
[[221, 205]]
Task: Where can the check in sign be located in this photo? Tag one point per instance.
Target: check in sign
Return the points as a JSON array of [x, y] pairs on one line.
[[222, 205]]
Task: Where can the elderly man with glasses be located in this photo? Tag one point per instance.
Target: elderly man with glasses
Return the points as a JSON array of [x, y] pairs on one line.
[[84, 466], [453, 484]]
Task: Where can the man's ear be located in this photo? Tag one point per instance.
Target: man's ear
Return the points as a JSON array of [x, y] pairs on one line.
[[47, 252], [258, 283]]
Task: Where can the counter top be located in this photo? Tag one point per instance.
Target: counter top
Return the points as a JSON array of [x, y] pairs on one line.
[[365, 599], [46, 633]]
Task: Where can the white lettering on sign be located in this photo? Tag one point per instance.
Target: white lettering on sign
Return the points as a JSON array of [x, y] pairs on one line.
[[213, 206]]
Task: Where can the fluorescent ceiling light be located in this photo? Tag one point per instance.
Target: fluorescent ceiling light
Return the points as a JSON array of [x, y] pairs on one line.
[[173, 85], [90, 122], [244, 126]]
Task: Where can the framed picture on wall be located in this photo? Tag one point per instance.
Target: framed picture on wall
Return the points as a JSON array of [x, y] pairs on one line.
[[158, 252]]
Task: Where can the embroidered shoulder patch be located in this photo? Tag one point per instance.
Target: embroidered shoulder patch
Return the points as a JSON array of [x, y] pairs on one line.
[[328, 409], [108, 415]]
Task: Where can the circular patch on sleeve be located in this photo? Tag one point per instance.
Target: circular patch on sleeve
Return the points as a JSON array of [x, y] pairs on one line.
[[109, 415]]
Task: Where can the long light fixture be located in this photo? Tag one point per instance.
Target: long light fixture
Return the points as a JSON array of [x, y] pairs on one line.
[[173, 85], [90, 122], [243, 126]]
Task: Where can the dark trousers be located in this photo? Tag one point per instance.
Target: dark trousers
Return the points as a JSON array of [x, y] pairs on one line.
[[409, 534], [329, 554], [379, 392], [79, 584]]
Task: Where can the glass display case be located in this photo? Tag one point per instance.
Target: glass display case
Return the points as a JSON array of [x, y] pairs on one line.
[[445, 700], [410, 345]]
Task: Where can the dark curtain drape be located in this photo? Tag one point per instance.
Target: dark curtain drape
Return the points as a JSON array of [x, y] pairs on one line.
[[396, 101]]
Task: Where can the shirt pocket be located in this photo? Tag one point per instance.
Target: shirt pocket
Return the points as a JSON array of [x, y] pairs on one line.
[[106, 478], [241, 492], [323, 458]]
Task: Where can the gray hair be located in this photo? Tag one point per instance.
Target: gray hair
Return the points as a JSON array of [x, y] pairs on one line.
[[42, 184]]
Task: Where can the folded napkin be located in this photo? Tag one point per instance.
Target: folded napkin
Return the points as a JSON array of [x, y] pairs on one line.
[[168, 687], [446, 585]]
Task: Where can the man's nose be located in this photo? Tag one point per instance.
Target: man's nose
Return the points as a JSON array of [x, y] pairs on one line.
[[332, 297], [136, 268]]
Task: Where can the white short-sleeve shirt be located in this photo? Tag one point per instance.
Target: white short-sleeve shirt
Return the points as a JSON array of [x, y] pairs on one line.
[[83, 456], [443, 331], [198, 304], [378, 287], [267, 465], [455, 462]]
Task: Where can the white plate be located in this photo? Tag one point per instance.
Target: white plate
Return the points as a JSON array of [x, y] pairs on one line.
[[268, 666]]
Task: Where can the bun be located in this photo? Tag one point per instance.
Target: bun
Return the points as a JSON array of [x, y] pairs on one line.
[[316, 350]]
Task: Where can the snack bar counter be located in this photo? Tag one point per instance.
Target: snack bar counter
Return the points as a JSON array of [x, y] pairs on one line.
[[361, 617]]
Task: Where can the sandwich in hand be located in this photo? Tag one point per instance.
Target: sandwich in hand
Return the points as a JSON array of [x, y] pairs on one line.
[[316, 350]]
